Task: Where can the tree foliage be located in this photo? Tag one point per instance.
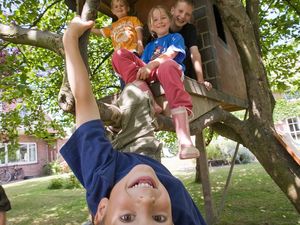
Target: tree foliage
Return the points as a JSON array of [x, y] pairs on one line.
[[280, 41], [286, 109], [33, 75]]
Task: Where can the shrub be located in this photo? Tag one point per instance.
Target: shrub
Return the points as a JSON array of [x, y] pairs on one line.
[[214, 152], [46, 170], [65, 183], [52, 168], [228, 147], [56, 184], [72, 182], [244, 156]]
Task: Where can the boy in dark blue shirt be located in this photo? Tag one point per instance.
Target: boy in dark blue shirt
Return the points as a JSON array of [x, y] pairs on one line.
[[120, 187]]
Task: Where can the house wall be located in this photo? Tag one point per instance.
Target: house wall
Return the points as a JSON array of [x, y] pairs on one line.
[[45, 154], [289, 130]]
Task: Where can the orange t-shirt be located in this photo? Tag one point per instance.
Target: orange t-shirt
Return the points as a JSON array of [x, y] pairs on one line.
[[123, 32]]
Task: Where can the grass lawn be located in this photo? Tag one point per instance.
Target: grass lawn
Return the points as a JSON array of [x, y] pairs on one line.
[[253, 199], [33, 203]]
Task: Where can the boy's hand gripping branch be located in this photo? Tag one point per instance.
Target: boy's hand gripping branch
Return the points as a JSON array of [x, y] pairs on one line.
[[85, 104]]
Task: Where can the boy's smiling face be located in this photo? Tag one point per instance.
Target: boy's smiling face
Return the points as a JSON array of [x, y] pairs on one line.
[[181, 13], [138, 198]]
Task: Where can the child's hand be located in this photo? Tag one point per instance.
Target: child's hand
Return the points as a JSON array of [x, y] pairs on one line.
[[206, 84], [77, 27], [143, 73]]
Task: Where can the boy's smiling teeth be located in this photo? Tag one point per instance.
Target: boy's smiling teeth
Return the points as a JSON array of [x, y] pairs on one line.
[[143, 182], [142, 185]]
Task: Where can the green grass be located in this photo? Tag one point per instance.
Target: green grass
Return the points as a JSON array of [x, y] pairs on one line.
[[252, 199], [32, 203]]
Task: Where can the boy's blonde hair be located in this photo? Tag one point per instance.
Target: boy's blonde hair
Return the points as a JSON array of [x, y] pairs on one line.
[[189, 2], [124, 1], [160, 8]]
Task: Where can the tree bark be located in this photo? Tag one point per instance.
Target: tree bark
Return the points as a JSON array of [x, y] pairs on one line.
[[204, 172], [252, 8], [43, 39], [88, 12]]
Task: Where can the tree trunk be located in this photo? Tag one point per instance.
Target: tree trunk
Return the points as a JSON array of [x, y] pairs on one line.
[[204, 172], [257, 133]]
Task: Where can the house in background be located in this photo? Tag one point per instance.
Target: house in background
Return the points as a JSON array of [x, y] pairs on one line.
[[290, 125], [32, 155], [288, 129]]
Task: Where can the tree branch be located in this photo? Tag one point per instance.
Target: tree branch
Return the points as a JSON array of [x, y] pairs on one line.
[[216, 115], [103, 60], [44, 39], [65, 97], [4, 46], [227, 132]]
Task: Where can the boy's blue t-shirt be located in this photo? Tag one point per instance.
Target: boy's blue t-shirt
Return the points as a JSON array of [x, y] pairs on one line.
[[98, 167], [163, 44]]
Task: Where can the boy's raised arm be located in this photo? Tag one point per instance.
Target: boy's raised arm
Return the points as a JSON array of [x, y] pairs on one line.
[[85, 104]]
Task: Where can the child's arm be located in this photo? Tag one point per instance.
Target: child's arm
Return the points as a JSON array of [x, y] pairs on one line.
[[140, 46], [197, 64], [85, 104], [96, 31]]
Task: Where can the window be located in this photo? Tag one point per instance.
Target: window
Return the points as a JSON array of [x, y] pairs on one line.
[[294, 126], [27, 153], [219, 24]]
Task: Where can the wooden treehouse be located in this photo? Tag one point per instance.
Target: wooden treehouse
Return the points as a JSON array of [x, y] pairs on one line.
[[220, 59], [221, 62]]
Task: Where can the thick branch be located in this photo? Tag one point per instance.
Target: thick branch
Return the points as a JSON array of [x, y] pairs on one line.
[[214, 116], [225, 131], [44, 39], [252, 7]]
